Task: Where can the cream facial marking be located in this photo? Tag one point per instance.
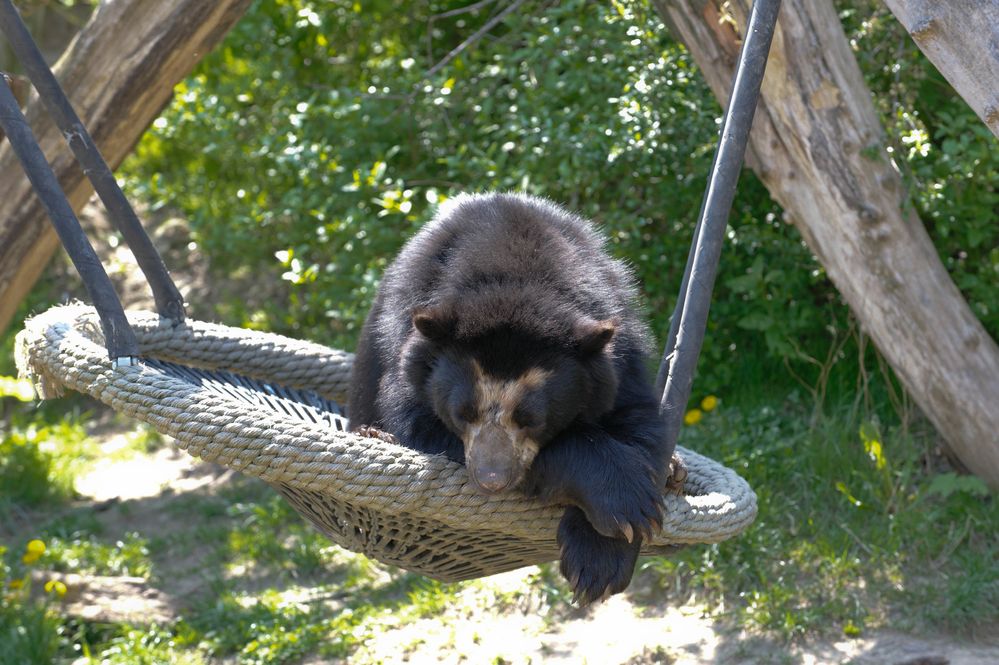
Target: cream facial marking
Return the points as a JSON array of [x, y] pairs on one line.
[[496, 401]]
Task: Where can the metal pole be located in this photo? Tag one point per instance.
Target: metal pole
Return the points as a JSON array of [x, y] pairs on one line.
[[169, 302], [121, 343], [691, 318], [674, 321]]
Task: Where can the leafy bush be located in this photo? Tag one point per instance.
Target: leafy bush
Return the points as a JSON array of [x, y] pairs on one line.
[[310, 145], [321, 135]]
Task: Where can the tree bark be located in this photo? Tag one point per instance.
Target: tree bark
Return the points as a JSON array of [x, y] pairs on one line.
[[118, 73], [818, 147], [960, 37]]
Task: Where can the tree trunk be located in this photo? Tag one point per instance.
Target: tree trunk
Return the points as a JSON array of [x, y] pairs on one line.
[[817, 146], [960, 37], [118, 73]]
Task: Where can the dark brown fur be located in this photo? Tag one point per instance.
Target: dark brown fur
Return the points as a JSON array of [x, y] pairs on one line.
[[504, 337]]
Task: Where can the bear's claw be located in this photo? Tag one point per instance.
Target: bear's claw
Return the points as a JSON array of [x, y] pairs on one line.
[[625, 509], [375, 433], [677, 476]]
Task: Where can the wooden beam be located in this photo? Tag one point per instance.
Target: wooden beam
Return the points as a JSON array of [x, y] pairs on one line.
[[960, 37]]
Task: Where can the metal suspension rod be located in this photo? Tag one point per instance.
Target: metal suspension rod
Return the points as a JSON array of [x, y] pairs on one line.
[[121, 343], [169, 302], [674, 321], [690, 318]]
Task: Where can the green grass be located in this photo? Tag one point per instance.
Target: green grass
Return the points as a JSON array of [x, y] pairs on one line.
[[305, 607], [321, 599], [39, 460], [44, 446], [29, 632], [129, 645], [87, 554], [851, 531]]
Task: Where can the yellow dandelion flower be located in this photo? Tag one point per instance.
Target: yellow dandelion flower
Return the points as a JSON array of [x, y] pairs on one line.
[[56, 587], [30, 558], [709, 403], [15, 584], [36, 547], [693, 417]]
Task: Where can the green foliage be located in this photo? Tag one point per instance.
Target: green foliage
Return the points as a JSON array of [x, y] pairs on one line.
[[310, 145], [18, 389], [326, 601], [86, 553], [29, 631], [144, 646], [946, 484], [260, 536], [273, 626], [268, 628]]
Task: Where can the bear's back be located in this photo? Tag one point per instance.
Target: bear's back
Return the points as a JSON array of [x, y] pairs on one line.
[[515, 255]]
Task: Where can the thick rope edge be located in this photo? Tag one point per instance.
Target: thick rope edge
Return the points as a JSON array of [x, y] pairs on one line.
[[62, 347]]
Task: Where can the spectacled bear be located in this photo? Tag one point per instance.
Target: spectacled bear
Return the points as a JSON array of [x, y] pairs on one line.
[[505, 337]]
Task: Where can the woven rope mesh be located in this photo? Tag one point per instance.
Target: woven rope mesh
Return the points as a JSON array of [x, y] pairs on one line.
[[263, 404], [421, 545]]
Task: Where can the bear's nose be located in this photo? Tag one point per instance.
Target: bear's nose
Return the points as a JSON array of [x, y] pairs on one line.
[[492, 481], [491, 459]]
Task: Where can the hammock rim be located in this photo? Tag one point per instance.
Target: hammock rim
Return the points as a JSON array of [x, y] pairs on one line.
[[63, 348]]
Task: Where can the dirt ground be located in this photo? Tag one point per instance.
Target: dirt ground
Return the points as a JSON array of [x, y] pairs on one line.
[[616, 631]]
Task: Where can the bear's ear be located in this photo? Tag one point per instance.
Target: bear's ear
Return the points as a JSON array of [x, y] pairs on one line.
[[592, 336], [433, 323]]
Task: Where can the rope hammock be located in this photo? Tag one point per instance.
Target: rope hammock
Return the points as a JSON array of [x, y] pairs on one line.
[[266, 405], [387, 501]]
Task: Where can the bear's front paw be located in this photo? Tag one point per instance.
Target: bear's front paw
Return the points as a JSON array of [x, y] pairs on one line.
[[623, 506], [677, 476], [375, 433], [595, 566]]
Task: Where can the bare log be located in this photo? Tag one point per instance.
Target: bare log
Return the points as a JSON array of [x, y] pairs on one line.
[[818, 147], [118, 73], [960, 37]]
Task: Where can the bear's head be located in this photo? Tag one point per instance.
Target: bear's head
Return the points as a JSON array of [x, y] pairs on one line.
[[507, 389]]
